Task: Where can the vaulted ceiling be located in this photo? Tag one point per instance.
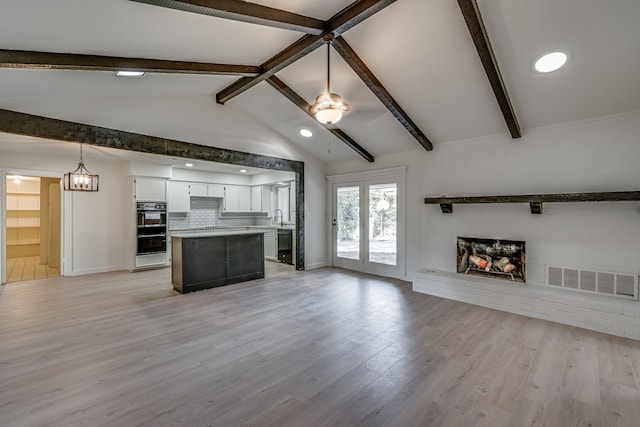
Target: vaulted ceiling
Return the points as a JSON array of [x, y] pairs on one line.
[[421, 53]]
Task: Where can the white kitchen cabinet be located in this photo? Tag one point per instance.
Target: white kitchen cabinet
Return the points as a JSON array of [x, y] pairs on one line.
[[261, 198], [237, 198], [178, 199], [292, 202], [256, 199], [198, 189], [201, 189], [215, 190], [270, 245], [149, 189], [283, 203]]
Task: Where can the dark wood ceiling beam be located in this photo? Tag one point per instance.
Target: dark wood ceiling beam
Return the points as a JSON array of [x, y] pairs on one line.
[[336, 25], [72, 61], [283, 59], [292, 96], [61, 130], [244, 11], [354, 14], [481, 40], [369, 79]]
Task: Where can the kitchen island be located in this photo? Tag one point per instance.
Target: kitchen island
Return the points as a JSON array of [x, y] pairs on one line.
[[206, 260]]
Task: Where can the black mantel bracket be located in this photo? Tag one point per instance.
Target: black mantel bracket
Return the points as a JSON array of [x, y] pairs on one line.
[[535, 200]]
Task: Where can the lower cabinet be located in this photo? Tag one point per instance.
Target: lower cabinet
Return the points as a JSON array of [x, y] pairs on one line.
[[202, 262], [270, 245]]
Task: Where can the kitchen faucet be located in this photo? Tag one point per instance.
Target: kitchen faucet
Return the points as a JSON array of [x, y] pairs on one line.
[[275, 216]]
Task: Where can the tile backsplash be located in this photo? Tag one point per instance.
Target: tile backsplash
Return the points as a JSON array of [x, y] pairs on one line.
[[205, 212]]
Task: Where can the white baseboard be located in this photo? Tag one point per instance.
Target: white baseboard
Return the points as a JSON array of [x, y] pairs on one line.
[[316, 265], [98, 270]]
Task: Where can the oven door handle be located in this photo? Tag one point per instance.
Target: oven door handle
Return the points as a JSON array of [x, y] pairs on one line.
[[151, 235]]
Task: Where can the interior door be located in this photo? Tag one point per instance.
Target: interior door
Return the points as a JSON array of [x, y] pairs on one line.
[[368, 226]]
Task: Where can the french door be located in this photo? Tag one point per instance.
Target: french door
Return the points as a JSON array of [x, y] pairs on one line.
[[368, 226]]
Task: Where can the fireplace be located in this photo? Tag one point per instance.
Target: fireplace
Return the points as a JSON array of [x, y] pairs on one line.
[[500, 259]]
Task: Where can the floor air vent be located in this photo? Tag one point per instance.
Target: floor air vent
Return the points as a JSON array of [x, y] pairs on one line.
[[619, 285]]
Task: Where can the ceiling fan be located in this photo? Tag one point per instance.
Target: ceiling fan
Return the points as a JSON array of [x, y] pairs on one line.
[[329, 106]]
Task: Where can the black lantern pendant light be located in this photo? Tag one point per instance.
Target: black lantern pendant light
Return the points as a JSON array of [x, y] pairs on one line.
[[80, 179]]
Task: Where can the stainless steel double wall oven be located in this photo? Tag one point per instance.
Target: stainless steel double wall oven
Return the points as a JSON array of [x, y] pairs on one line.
[[151, 227]]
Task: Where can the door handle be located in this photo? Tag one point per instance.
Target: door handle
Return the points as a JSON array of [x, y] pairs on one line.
[[334, 222]]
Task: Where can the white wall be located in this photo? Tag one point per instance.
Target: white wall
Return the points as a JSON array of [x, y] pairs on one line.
[[315, 219], [98, 240], [210, 177]]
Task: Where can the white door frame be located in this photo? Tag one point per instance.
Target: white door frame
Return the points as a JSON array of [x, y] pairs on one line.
[[399, 175], [3, 216]]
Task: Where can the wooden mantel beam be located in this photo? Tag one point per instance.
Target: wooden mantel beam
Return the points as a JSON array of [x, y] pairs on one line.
[[535, 200], [336, 25], [369, 79], [292, 96], [480, 38], [72, 61], [245, 11]]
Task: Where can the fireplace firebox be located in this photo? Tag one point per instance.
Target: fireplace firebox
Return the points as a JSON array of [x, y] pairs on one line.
[[500, 259]]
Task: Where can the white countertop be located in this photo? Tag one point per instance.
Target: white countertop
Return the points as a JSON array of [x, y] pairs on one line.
[[236, 228], [212, 233]]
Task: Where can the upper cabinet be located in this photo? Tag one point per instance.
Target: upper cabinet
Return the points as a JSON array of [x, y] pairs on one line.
[[292, 201], [261, 198], [201, 189], [178, 198], [215, 190], [237, 198], [198, 189], [150, 189]]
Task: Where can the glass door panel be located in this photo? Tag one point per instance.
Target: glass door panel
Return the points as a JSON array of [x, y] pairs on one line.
[[348, 222], [383, 246]]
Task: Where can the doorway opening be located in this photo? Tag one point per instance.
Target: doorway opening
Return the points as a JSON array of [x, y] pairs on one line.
[[33, 227]]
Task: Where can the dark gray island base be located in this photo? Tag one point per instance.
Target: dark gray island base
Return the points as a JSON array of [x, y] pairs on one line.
[[206, 260]]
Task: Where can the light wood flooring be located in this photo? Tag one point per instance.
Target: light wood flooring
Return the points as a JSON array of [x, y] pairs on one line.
[[325, 347], [28, 268]]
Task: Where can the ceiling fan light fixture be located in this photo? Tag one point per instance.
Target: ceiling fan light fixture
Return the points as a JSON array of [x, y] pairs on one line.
[[329, 106]]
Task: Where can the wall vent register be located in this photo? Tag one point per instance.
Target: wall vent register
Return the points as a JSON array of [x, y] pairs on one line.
[[621, 285]]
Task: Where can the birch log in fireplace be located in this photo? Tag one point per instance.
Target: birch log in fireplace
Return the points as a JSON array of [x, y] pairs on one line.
[[501, 259]]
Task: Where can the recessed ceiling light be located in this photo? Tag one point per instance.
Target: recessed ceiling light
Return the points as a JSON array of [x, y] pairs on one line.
[[550, 61], [243, 171], [189, 165], [306, 133], [124, 73]]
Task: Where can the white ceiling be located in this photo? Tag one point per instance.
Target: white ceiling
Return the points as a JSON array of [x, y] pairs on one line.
[[420, 50]]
